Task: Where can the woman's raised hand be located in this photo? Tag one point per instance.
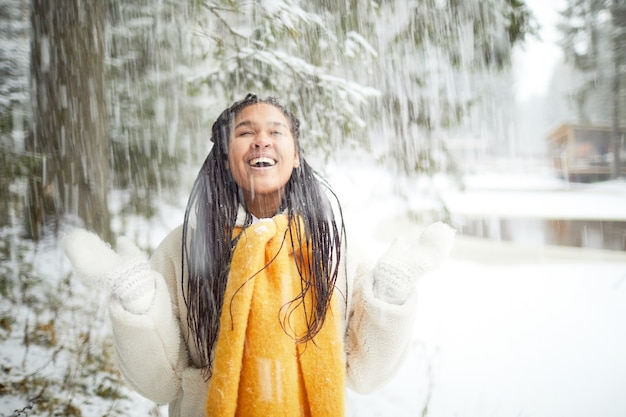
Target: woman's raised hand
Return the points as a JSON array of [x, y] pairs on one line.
[[126, 274], [409, 258]]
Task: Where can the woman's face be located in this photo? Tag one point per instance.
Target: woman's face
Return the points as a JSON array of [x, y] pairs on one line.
[[261, 156]]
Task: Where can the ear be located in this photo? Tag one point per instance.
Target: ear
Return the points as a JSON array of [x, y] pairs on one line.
[[296, 161]]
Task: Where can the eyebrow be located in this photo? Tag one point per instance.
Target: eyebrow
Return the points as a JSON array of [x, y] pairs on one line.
[[250, 123]]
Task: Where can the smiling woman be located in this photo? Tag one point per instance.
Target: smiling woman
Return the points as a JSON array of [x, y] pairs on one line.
[[249, 308], [262, 156]]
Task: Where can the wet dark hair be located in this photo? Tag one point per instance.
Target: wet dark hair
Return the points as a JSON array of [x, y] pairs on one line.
[[208, 244]]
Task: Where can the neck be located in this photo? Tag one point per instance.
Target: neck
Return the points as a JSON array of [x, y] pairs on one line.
[[263, 206]]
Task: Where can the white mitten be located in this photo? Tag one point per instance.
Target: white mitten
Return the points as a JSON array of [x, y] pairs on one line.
[[407, 259], [127, 274]]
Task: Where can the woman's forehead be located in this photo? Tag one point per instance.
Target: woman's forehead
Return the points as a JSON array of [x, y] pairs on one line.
[[261, 112]]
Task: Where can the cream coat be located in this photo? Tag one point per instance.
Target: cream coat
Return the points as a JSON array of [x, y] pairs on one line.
[[159, 360]]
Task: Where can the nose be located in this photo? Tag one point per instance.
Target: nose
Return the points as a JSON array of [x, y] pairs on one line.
[[262, 140]]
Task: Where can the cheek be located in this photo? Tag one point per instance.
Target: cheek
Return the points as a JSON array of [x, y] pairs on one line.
[[235, 170], [234, 156]]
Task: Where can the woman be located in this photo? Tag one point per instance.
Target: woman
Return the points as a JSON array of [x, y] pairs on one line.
[[249, 308]]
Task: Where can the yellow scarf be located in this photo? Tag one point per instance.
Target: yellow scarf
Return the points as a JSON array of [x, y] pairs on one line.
[[259, 370]]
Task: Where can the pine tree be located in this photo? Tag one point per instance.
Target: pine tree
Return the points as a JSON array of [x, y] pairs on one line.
[[594, 42], [69, 116]]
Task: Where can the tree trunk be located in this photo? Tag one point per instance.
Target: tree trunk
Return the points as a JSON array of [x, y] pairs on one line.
[[69, 114], [618, 13], [616, 139]]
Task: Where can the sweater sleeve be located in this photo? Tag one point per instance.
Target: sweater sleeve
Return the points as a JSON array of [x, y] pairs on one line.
[[149, 347], [378, 335]]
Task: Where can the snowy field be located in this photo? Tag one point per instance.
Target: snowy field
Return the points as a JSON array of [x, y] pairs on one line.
[[513, 331], [503, 329]]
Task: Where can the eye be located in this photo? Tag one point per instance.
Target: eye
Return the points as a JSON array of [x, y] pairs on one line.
[[245, 133], [277, 132]]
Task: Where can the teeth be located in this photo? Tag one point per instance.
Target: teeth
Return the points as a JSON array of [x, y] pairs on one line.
[[262, 162]]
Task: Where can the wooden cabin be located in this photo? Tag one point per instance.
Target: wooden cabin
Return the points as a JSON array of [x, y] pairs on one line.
[[584, 153]]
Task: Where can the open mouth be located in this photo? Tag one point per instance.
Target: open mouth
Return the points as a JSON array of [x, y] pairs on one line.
[[262, 162]]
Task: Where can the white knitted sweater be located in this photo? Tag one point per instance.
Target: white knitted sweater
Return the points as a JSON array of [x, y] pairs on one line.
[[157, 356]]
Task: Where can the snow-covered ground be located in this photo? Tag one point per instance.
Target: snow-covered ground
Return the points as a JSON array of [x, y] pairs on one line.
[[507, 330], [504, 329]]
